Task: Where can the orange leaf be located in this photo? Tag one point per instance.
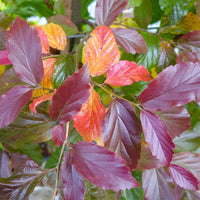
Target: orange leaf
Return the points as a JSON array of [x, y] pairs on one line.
[[100, 51], [88, 120], [126, 72], [56, 36]]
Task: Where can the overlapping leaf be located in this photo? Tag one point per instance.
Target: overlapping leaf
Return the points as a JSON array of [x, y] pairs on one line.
[[102, 167], [193, 195], [174, 86], [4, 60], [126, 72], [130, 40], [5, 170], [100, 51], [58, 134], [88, 120], [107, 12], [121, 131], [157, 137], [70, 96], [185, 56], [25, 52]]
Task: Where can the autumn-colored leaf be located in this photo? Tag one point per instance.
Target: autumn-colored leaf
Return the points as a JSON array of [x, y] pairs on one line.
[[58, 134], [56, 36], [2, 69], [4, 60], [88, 120], [100, 51], [125, 73], [5, 170]]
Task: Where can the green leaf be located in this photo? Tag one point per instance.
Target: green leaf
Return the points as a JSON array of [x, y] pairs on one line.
[[194, 111], [84, 8], [134, 3], [53, 160], [74, 136], [64, 66], [157, 12]]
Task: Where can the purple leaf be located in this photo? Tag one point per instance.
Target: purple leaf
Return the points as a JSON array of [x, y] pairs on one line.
[[187, 56], [193, 195], [102, 167], [176, 120], [12, 102], [121, 131], [183, 178], [107, 11], [175, 86], [158, 184], [70, 96], [4, 60], [130, 40], [25, 52], [73, 182], [157, 137], [5, 170], [58, 134]]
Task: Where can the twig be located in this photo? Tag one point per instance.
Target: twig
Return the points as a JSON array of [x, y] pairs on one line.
[[52, 56], [60, 162]]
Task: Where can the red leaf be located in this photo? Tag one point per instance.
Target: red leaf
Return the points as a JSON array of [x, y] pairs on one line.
[[4, 60], [157, 137], [125, 73], [121, 131], [107, 12], [176, 120], [73, 182], [58, 134], [88, 120], [130, 40], [175, 86], [12, 102], [5, 170], [70, 96], [183, 178], [102, 167], [25, 52]]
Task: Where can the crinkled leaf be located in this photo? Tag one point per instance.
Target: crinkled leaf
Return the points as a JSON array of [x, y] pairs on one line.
[[100, 51], [125, 73], [73, 182], [157, 137], [183, 178], [25, 52], [107, 12], [58, 134], [176, 120], [4, 60], [175, 86], [70, 96], [121, 131], [102, 167], [5, 170], [12, 102], [88, 120], [130, 40]]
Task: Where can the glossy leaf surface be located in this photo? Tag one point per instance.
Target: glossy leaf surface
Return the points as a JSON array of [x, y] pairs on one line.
[[4, 60]]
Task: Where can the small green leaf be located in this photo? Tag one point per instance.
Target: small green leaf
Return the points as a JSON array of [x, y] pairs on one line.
[[134, 3], [53, 160]]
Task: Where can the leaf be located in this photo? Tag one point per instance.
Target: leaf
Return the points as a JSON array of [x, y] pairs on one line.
[[183, 178], [56, 36], [186, 57], [157, 137], [2, 69], [121, 131], [5, 170], [100, 51], [176, 120], [25, 52], [125, 73], [101, 167], [106, 13], [2, 39], [58, 134], [4, 60], [175, 86], [88, 120], [158, 184], [130, 40], [70, 96], [73, 182], [193, 195], [12, 102]]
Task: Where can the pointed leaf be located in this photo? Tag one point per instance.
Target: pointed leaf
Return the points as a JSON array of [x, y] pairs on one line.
[[175, 86], [56, 36], [88, 120], [58, 134], [4, 60], [106, 13], [25, 52], [102, 167], [73, 182], [183, 178], [130, 40], [12, 102], [70, 96], [121, 131], [5, 170], [176, 120], [100, 51], [125, 73], [157, 137]]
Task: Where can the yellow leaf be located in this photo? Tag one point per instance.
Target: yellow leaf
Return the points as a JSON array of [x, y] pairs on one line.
[[129, 22], [2, 69], [154, 72]]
